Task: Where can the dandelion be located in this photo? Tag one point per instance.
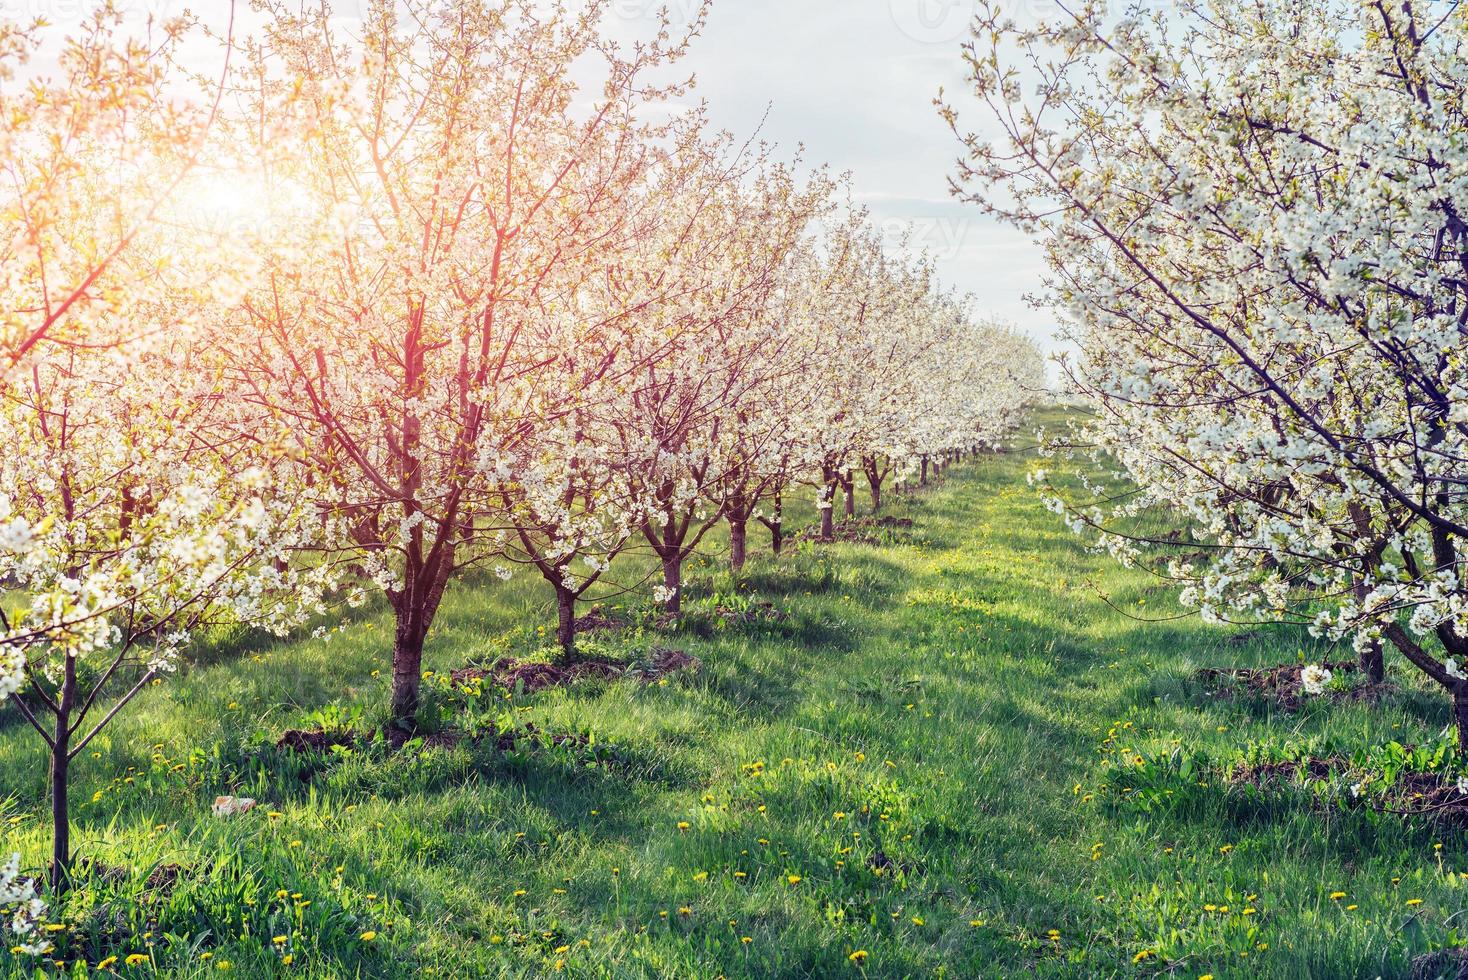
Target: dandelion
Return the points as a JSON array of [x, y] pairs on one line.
[[1414, 901], [136, 959], [859, 957], [746, 940], [793, 879], [683, 825], [368, 936], [1143, 955], [1337, 896]]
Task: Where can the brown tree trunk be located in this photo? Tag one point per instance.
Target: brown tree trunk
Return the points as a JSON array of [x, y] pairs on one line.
[[848, 484], [923, 480], [407, 669], [1372, 663], [738, 537], [777, 526], [1460, 717], [566, 622], [673, 582], [61, 782], [828, 512], [874, 482]]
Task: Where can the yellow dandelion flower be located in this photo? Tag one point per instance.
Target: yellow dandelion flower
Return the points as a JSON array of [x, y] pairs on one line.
[[368, 936], [859, 957]]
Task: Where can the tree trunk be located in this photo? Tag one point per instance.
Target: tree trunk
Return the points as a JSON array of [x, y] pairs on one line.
[[874, 481], [738, 537], [566, 622], [61, 783], [848, 484], [1372, 663], [777, 526], [1460, 717], [923, 480], [407, 670], [673, 582], [828, 512]]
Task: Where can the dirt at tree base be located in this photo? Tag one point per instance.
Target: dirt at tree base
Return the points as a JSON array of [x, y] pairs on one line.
[[857, 530], [1281, 683], [1414, 794], [597, 621], [1443, 964]]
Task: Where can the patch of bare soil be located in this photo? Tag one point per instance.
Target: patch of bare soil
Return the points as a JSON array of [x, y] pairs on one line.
[[1414, 794], [1443, 964], [315, 739], [597, 621], [661, 662], [1280, 684], [857, 530], [534, 675], [1265, 774]]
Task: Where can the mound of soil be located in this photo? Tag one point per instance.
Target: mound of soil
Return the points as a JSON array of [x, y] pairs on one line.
[[1415, 794], [1280, 684], [596, 621], [661, 662], [1444, 964], [858, 530], [315, 739], [1264, 774], [534, 675]]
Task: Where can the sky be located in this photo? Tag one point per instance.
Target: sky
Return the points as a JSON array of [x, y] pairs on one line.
[[853, 81]]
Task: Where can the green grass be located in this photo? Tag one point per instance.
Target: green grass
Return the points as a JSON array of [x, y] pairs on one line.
[[926, 744]]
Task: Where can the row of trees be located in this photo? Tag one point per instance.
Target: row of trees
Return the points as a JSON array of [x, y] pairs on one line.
[[1257, 218], [370, 310]]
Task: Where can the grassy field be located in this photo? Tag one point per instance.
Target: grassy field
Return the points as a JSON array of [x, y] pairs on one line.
[[950, 757]]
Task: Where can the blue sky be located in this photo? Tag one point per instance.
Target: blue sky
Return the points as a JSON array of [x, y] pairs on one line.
[[854, 81]]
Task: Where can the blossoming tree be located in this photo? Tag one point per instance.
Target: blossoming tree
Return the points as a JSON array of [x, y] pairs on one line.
[[460, 193], [1254, 218]]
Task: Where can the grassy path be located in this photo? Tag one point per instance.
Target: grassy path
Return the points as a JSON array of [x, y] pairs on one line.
[[923, 770]]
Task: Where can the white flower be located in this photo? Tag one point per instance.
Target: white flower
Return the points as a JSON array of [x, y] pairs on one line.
[[1453, 670], [29, 910], [1463, 785], [1314, 678]]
